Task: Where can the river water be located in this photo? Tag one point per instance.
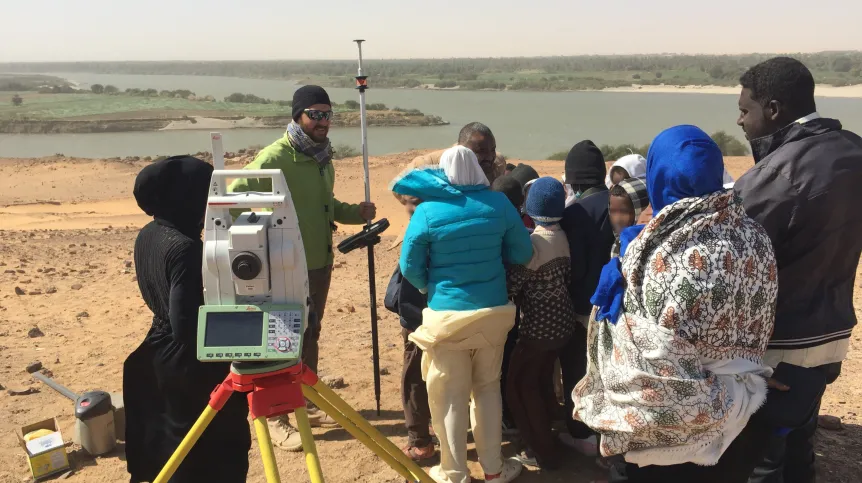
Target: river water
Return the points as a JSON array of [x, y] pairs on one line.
[[528, 125]]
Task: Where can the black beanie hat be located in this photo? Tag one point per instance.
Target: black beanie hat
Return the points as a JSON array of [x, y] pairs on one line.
[[524, 173], [307, 96], [585, 165], [512, 188]]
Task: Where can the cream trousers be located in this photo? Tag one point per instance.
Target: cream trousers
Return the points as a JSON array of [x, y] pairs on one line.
[[462, 373]]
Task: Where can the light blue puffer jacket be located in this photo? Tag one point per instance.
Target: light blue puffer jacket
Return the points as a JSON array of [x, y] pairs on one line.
[[458, 240]]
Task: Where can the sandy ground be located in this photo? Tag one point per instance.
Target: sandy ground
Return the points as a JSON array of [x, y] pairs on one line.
[[821, 90], [70, 225]]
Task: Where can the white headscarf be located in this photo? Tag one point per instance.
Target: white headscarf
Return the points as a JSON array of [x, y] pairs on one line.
[[462, 167], [634, 164]]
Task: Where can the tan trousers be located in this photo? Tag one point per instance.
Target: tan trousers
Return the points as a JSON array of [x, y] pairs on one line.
[[462, 374], [452, 376]]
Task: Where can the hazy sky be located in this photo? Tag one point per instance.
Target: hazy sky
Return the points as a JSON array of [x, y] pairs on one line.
[[70, 30]]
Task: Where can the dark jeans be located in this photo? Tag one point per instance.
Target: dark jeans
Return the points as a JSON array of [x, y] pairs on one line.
[[318, 286], [790, 458], [735, 464], [573, 362], [414, 396], [511, 339], [530, 392]]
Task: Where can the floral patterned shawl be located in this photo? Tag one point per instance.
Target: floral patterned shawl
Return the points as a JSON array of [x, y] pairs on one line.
[[677, 377]]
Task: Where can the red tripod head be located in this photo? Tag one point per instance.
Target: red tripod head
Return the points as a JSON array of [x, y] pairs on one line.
[[269, 393]]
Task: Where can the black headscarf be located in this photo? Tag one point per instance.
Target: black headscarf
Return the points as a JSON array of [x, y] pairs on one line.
[[174, 192]]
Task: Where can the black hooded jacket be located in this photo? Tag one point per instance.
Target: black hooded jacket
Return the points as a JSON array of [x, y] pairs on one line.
[[591, 237], [805, 190]]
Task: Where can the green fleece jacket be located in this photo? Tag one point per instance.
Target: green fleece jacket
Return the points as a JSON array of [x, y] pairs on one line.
[[311, 189]]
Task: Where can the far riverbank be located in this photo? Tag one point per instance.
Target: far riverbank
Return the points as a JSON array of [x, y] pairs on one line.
[[185, 122]]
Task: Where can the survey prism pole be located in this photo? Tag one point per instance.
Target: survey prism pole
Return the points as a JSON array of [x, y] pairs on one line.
[[361, 86], [218, 151]]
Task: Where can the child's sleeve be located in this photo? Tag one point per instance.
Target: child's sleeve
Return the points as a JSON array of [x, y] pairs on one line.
[[516, 276]]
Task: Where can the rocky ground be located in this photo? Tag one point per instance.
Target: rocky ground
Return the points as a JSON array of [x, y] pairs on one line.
[[69, 299]]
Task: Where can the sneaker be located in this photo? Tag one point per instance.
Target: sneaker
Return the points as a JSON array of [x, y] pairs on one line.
[[319, 419], [587, 447], [526, 459], [283, 435], [511, 469]]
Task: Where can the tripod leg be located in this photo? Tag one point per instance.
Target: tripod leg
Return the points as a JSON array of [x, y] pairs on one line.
[[388, 446], [315, 474], [186, 445], [267, 454], [369, 436]]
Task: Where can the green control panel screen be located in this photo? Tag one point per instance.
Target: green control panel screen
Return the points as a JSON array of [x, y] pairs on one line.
[[225, 329], [266, 332]]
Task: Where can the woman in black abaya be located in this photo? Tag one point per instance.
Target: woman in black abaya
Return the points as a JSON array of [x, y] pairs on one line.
[[165, 387]]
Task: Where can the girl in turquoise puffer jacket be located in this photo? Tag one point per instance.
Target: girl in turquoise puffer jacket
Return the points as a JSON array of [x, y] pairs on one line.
[[456, 244], [460, 237]]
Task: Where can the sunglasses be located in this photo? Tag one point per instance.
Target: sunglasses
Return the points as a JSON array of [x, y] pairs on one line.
[[316, 115]]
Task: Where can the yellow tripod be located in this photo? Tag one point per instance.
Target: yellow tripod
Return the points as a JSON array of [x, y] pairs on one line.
[[280, 392]]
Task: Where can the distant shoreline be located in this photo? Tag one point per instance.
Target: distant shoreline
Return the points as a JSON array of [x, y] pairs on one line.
[[180, 122], [821, 90]]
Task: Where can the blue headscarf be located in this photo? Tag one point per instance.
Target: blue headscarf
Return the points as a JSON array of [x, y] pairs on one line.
[[683, 162]]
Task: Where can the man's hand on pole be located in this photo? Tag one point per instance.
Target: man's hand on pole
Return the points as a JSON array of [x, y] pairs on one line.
[[367, 210]]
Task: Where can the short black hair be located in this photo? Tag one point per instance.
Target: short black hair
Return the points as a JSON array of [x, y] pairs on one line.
[[510, 166], [469, 130], [510, 187], [782, 79]]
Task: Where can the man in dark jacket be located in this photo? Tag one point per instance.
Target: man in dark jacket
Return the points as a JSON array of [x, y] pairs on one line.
[[804, 190], [591, 237]]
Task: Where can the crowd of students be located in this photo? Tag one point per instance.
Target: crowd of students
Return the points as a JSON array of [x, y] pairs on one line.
[[666, 294], [682, 326]]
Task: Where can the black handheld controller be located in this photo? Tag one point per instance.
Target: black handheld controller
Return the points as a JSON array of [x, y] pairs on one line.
[[369, 236]]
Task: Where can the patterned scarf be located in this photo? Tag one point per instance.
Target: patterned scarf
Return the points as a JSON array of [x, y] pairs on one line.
[[639, 196], [677, 377], [320, 152]]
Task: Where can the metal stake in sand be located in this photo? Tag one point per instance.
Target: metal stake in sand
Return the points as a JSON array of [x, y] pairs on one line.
[[362, 85]]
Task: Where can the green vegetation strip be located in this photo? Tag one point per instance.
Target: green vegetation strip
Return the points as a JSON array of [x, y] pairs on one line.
[[538, 73], [729, 145]]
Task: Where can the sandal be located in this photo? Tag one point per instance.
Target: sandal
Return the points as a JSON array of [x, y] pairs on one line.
[[416, 453]]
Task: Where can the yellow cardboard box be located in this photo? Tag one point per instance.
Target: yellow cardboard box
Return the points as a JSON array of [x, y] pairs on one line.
[[46, 455]]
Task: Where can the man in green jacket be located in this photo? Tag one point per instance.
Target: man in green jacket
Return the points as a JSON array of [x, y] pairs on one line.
[[304, 155]]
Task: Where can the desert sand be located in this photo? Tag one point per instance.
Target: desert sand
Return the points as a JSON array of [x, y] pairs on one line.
[[67, 228]]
